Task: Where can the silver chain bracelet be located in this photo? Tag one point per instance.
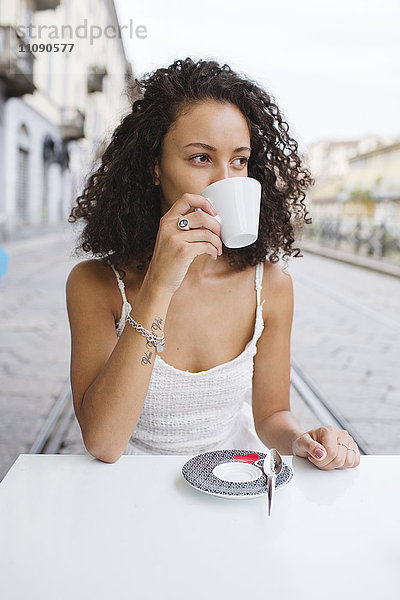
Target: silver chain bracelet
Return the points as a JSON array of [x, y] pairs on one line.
[[159, 342]]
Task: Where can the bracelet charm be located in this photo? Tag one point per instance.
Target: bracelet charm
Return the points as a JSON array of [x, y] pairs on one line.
[[158, 342]]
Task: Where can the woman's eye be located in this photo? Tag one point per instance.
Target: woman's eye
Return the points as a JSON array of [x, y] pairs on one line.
[[244, 159], [202, 156]]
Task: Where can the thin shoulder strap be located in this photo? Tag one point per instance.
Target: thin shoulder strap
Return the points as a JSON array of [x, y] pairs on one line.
[[258, 282], [121, 284], [126, 307]]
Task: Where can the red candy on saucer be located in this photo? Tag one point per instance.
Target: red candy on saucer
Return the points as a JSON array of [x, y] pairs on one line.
[[247, 458]]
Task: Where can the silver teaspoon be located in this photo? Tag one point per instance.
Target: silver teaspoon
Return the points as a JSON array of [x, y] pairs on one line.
[[272, 467]]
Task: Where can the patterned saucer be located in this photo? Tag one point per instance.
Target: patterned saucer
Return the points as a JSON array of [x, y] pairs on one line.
[[220, 474]]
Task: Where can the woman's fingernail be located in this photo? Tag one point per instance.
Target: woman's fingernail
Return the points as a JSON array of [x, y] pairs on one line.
[[319, 453], [214, 212]]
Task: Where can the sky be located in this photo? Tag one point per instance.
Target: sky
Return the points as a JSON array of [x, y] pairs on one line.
[[332, 67]]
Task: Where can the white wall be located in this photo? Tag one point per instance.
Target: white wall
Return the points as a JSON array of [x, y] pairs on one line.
[[61, 80]]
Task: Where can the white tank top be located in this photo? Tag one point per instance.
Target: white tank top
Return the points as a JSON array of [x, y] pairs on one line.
[[189, 413]]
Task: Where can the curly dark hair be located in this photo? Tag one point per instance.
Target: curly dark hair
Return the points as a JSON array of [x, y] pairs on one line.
[[120, 203]]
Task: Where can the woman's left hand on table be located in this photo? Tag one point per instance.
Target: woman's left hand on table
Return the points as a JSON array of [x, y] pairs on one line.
[[328, 448]]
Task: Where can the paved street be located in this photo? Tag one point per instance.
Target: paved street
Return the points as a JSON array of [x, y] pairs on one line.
[[346, 336], [34, 339]]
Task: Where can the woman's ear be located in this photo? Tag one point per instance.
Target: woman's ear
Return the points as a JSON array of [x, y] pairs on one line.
[[156, 179]]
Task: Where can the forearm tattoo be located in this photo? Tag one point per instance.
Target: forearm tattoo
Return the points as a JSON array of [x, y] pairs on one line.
[[146, 360], [155, 328]]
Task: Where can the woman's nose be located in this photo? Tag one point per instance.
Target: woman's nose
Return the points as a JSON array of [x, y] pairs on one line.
[[222, 172]]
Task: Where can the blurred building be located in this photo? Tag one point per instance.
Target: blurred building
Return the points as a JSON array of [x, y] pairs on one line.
[[356, 181], [328, 159], [63, 73], [371, 190]]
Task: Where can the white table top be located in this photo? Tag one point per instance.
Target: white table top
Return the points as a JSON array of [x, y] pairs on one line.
[[72, 527]]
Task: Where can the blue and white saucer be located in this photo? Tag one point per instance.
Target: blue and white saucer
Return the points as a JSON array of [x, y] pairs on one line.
[[220, 474]]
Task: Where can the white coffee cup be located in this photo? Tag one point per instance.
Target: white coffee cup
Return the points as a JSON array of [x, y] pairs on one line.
[[237, 202]]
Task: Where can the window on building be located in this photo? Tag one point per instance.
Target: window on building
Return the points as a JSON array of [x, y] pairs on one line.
[[22, 176], [48, 159]]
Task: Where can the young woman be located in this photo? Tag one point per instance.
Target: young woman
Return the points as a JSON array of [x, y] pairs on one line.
[[175, 337]]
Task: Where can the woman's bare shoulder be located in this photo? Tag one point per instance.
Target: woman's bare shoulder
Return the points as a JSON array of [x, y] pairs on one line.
[[276, 276], [91, 272], [95, 278], [277, 285]]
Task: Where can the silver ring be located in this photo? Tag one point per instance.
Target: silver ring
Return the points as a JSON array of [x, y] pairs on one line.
[[183, 223], [348, 447]]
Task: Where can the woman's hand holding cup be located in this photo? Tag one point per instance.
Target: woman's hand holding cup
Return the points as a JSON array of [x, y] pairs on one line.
[[175, 249]]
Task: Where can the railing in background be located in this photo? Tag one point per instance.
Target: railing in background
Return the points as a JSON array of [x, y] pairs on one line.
[[381, 241]]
